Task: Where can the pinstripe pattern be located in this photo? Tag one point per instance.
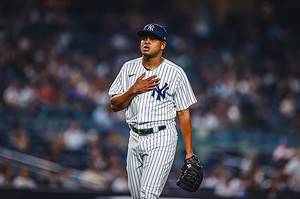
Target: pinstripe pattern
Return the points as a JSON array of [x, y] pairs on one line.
[[149, 161], [150, 157], [145, 111]]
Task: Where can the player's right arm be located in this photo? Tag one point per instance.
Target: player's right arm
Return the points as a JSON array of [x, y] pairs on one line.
[[121, 101]]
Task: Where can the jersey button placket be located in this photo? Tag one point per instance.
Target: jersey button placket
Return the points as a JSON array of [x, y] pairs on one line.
[[138, 118]]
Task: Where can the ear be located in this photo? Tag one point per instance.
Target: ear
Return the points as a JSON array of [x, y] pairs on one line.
[[163, 45]]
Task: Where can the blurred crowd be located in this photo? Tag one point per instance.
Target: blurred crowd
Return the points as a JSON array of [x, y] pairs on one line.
[[58, 59], [237, 176], [89, 161]]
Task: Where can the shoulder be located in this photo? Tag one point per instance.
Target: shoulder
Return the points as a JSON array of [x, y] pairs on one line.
[[174, 67], [130, 64], [133, 61]]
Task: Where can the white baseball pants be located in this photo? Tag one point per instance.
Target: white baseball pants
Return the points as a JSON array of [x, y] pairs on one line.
[[149, 161]]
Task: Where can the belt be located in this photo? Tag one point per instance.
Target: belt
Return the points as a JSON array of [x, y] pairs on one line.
[[146, 131]]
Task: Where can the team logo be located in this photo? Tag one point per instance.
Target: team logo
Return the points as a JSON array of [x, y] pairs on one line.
[[161, 92], [150, 27], [130, 75]]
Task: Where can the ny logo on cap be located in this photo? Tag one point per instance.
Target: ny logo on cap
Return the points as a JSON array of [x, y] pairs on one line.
[[150, 27]]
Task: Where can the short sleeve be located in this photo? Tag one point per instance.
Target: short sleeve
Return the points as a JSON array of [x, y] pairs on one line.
[[117, 85], [184, 96]]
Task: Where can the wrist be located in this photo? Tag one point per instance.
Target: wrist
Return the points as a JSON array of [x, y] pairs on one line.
[[188, 154], [132, 90]]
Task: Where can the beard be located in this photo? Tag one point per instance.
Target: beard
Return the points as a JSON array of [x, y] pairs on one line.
[[150, 55]]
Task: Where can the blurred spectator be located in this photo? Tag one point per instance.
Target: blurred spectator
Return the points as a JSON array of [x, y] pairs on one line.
[[2, 176], [283, 152], [56, 148], [258, 177], [52, 180], [24, 180], [230, 188], [92, 178], [11, 95], [20, 140], [74, 137], [206, 122], [292, 169], [67, 181], [248, 164], [216, 177], [287, 105], [273, 190], [46, 92], [97, 158], [115, 142], [6, 174], [93, 139], [27, 96], [120, 183], [114, 164], [102, 117]]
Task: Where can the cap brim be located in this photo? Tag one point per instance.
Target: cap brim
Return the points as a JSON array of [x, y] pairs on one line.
[[144, 32]]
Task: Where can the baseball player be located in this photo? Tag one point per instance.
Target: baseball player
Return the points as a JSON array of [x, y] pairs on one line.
[[152, 90]]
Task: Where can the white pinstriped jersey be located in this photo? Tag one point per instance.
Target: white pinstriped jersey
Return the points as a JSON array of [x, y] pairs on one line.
[[157, 107]]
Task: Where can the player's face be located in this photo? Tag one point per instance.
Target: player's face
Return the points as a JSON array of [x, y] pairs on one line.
[[151, 46]]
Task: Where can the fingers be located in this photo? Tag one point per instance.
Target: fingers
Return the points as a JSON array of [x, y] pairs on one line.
[[156, 80], [153, 81], [151, 77], [142, 76], [150, 86], [148, 83]]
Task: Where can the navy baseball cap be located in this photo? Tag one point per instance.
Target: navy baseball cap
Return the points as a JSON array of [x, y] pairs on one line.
[[154, 29]]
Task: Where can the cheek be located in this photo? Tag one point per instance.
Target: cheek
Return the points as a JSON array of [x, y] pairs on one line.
[[158, 46]]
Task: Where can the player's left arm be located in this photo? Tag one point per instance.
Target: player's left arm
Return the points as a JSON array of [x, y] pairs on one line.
[[185, 125]]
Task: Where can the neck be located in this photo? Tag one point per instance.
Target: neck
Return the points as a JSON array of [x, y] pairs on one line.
[[151, 63]]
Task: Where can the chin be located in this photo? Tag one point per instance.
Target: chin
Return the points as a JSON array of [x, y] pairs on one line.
[[147, 55]]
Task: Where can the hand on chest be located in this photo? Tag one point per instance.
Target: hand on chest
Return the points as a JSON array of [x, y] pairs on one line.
[[162, 90]]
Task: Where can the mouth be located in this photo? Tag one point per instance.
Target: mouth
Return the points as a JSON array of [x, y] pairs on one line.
[[146, 48]]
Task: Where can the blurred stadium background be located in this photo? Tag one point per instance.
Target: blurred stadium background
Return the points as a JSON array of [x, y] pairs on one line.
[[58, 138]]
